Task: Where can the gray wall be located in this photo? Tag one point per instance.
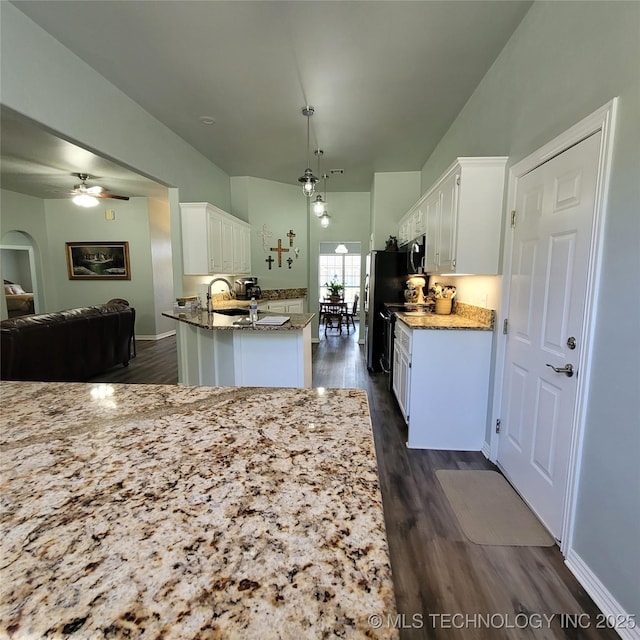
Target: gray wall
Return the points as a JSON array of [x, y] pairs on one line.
[[565, 60], [43, 80]]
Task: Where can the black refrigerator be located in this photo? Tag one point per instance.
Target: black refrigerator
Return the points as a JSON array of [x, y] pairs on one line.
[[386, 273]]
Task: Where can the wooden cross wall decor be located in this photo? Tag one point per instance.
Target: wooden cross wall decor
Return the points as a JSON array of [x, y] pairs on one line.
[[270, 261], [291, 236], [289, 262], [280, 249]]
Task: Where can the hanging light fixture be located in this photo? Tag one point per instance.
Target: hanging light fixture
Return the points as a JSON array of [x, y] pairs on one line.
[[324, 216], [319, 204], [308, 180], [85, 200]]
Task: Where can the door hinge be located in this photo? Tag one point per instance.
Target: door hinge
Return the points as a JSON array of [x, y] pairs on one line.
[[458, 180], [498, 423], [513, 219], [505, 326]]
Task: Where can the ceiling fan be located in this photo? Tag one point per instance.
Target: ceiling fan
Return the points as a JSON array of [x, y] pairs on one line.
[[86, 196]]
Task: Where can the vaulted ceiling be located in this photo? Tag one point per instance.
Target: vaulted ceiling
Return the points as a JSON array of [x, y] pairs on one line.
[[386, 79]]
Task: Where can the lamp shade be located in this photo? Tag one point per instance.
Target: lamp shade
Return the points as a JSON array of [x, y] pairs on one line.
[[341, 249]]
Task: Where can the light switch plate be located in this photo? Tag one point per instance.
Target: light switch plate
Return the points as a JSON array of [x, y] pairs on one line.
[[109, 214]]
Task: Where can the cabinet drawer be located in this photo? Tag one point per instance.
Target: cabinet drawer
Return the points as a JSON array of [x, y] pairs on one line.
[[402, 336]]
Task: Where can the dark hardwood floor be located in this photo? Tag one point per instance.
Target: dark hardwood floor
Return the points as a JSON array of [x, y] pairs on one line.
[[445, 585]]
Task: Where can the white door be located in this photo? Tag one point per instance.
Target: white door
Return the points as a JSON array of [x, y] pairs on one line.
[[551, 245]]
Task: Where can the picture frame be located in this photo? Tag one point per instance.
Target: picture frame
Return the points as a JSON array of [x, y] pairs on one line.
[[98, 260]]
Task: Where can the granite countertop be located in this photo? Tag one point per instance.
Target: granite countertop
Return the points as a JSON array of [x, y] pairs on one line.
[[217, 321], [465, 317], [190, 512]]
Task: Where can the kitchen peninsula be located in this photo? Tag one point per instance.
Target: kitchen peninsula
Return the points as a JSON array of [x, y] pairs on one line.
[[216, 349], [174, 512]]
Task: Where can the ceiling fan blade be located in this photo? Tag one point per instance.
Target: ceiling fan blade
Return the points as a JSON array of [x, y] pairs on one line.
[[112, 196], [94, 191]]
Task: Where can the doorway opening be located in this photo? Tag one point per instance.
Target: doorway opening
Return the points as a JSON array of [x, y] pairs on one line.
[[19, 275], [340, 263]]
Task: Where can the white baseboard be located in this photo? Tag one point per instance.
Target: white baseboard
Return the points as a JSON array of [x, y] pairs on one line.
[[486, 450], [158, 336], [611, 610]]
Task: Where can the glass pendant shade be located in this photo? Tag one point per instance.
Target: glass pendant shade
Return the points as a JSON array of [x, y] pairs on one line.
[[324, 220], [318, 206], [308, 181], [85, 200]]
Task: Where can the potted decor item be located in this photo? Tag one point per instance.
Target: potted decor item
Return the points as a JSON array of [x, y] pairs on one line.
[[335, 289]]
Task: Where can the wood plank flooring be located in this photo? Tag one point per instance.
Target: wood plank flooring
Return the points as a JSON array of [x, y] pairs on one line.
[[445, 585]]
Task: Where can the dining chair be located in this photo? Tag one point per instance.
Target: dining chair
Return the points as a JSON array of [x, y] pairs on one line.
[[333, 314], [351, 315]]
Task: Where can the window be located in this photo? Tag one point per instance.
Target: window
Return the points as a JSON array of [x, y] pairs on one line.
[[343, 267]]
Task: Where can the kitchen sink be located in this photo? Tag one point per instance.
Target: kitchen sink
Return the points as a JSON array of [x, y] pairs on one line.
[[232, 311]]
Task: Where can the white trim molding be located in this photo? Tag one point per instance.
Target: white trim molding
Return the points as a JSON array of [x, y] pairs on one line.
[[613, 614], [157, 336]]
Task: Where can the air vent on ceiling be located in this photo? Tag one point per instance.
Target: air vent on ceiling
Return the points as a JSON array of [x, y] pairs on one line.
[[336, 172]]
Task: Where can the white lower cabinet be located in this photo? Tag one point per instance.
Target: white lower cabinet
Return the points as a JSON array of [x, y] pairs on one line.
[[402, 368], [441, 383], [291, 305]]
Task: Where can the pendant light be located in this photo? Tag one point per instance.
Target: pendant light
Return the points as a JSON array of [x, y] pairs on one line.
[[324, 217], [308, 180], [319, 204]]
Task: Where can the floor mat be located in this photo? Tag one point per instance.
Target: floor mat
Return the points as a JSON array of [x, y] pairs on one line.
[[490, 511]]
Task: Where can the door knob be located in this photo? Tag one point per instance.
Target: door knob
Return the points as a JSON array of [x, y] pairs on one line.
[[567, 369]]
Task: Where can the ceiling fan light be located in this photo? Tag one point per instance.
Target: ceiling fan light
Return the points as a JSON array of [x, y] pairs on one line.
[[85, 200]]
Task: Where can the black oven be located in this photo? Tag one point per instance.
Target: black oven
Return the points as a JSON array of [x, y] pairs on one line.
[[386, 358]]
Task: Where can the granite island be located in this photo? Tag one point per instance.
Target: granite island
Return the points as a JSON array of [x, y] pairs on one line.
[[224, 350], [153, 511]]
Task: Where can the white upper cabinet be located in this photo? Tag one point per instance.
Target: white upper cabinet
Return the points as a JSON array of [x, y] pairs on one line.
[[462, 217], [213, 241]]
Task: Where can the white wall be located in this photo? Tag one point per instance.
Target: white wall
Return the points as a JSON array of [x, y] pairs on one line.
[[565, 60], [281, 207], [67, 222], [392, 195], [350, 214]]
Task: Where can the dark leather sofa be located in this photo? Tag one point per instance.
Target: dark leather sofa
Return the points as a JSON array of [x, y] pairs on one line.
[[66, 346]]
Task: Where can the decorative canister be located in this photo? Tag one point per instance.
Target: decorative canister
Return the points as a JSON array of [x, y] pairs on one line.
[[443, 306]]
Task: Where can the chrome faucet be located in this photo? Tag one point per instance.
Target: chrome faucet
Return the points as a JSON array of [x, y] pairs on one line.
[[209, 305]]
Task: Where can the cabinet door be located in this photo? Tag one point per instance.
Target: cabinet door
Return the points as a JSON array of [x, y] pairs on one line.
[[245, 249], [295, 306], [227, 245], [431, 208], [396, 374], [215, 240], [419, 218], [448, 219], [278, 307], [401, 379]]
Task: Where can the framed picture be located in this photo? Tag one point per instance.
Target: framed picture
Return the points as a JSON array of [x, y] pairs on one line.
[[98, 261]]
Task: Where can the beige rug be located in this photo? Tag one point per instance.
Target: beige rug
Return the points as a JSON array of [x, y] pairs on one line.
[[490, 511]]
